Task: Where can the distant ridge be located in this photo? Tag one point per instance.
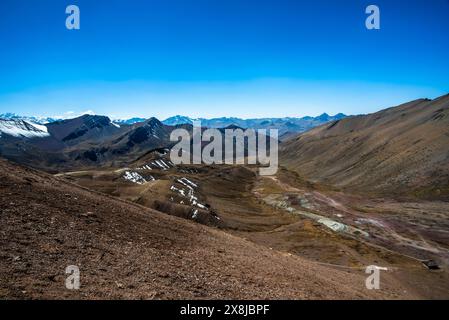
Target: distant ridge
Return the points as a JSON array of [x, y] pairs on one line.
[[284, 125]]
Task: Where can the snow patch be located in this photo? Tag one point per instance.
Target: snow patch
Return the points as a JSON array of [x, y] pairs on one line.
[[189, 182], [23, 129], [180, 191], [333, 225], [135, 177]]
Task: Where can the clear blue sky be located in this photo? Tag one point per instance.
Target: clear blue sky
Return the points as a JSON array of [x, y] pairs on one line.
[[247, 58]]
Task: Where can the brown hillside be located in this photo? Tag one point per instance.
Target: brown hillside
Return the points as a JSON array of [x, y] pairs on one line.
[[128, 251], [401, 150]]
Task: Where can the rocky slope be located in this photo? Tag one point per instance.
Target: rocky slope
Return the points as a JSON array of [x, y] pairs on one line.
[[125, 250], [402, 150]]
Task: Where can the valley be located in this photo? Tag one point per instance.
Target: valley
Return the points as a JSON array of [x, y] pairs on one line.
[[129, 251], [287, 214], [350, 193]]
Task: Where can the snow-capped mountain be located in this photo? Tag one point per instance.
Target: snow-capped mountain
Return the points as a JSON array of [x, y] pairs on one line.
[[176, 120], [80, 141], [38, 120], [22, 129], [284, 125], [96, 140]]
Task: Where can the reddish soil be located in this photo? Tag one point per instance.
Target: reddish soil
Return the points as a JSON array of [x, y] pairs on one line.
[[127, 251]]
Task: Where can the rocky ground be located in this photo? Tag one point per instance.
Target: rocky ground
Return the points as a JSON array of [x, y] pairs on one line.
[[125, 250], [287, 214]]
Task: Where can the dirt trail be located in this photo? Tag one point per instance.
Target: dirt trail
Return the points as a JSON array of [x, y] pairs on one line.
[[419, 243], [403, 253]]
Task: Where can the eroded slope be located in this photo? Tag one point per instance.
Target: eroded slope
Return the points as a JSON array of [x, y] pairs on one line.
[[127, 251]]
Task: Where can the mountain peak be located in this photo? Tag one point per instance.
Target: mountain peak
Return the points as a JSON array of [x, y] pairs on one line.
[[178, 119], [153, 122], [339, 116], [323, 117]]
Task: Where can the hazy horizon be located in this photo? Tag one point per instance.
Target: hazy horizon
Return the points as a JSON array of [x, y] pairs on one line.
[[72, 114]]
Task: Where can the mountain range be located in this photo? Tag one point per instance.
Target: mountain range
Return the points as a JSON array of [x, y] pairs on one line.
[[286, 126], [350, 192], [92, 140], [402, 149], [33, 119], [89, 140]]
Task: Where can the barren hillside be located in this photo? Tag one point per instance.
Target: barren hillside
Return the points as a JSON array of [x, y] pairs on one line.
[[402, 150], [124, 250]]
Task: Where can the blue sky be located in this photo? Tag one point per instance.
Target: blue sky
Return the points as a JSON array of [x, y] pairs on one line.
[[207, 58]]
